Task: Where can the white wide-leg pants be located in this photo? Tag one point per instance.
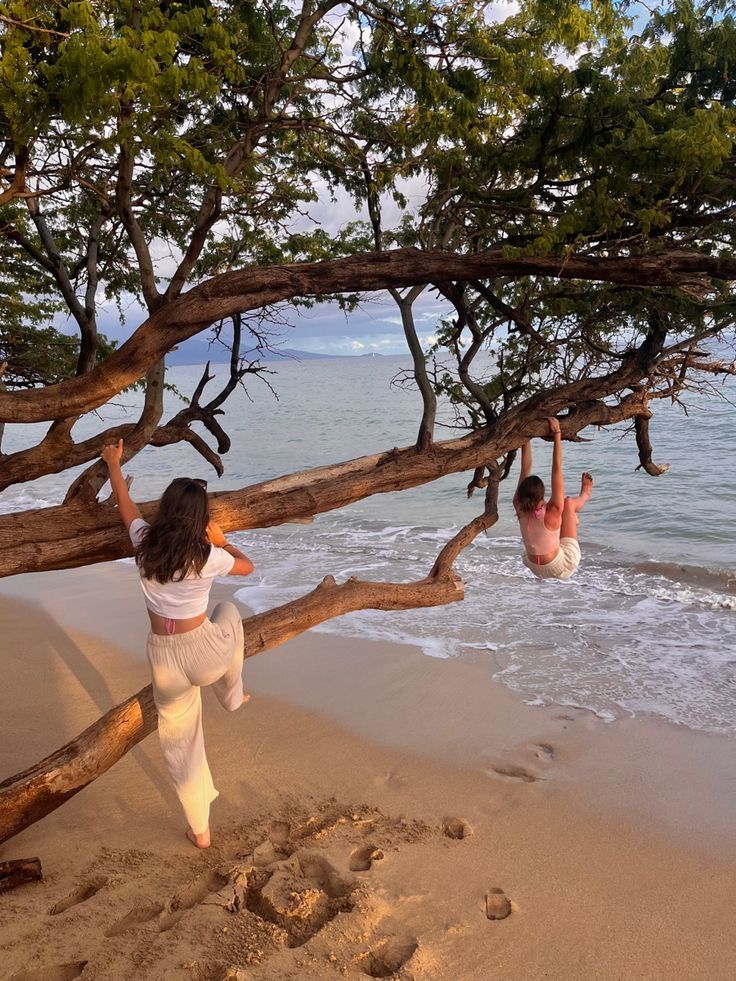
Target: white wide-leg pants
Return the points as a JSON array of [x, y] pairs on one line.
[[181, 664]]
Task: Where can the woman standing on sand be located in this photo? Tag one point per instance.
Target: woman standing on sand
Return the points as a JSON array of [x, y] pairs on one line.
[[549, 529], [178, 556]]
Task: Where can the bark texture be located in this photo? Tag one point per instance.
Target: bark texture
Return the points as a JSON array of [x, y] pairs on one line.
[[28, 796], [644, 445]]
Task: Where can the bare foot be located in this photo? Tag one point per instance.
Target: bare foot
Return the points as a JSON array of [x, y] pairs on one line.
[[201, 841], [586, 484], [246, 698]]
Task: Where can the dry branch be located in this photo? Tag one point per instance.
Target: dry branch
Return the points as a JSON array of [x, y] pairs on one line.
[[641, 427]]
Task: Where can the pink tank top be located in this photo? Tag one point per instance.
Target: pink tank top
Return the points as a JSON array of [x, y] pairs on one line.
[[537, 539]]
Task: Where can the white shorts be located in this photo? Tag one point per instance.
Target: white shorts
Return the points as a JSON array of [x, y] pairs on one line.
[[562, 565]]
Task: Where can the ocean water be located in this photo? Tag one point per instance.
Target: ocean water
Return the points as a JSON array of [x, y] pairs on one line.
[[647, 625]]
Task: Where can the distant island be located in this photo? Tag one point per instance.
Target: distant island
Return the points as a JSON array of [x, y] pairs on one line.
[[196, 351]]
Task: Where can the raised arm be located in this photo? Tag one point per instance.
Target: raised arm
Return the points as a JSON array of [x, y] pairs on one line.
[[127, 508], [243, 565], [526, 462], [526, 469], [557, 492]]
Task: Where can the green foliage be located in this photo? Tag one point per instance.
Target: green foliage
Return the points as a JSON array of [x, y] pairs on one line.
[[554, 131], [40, 355]]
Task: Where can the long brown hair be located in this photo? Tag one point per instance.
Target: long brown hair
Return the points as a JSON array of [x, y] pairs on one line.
[[530, 493], [175, 543]]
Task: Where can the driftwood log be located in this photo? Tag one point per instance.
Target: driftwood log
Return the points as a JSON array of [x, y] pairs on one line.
[[18, 871]]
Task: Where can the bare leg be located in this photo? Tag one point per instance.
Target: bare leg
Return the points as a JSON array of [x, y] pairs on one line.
[[569, 526], [202, 840], [586, 489]]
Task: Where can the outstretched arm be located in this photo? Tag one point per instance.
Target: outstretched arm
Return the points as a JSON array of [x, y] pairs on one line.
[[526, 462], [127, 508], [557, 495], [526, 468]]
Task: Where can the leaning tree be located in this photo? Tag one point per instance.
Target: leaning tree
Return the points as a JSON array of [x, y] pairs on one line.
[[577, 178]]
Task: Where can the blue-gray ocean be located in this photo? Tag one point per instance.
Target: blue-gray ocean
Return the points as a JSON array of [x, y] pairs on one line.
[[648, 624]]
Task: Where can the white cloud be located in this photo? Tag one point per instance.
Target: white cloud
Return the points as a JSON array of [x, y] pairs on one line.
[[497, 12]]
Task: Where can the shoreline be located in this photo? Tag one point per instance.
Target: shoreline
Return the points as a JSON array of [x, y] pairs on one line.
[[595, 831]]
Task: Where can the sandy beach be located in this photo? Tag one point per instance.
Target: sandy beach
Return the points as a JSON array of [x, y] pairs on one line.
[[371, 798]]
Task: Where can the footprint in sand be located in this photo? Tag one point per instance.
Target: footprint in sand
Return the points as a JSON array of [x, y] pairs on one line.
[[79, 895], [136, 917], [192, 895], [498, 905], [456, 828], [576, 713], [301, 896], [56, 972], [515, 772], [362, 858], [544, 751], [279, 834], [277, 845], [198, 890], [388, 957]]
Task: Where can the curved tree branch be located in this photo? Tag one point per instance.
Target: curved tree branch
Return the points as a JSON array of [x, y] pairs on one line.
[[87, 485], [641, 427], [57, 452], [251, 289], [429, 399]]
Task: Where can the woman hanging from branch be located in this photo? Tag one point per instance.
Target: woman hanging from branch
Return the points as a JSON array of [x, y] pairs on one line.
[[179, 555], [549, 529]]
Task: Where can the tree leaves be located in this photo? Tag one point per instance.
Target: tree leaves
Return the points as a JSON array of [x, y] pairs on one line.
[[554, 131]]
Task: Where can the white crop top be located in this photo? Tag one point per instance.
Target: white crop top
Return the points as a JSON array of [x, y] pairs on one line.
[[188, 597]]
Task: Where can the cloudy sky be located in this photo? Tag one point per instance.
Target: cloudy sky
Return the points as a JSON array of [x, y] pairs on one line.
[[375, 327]]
